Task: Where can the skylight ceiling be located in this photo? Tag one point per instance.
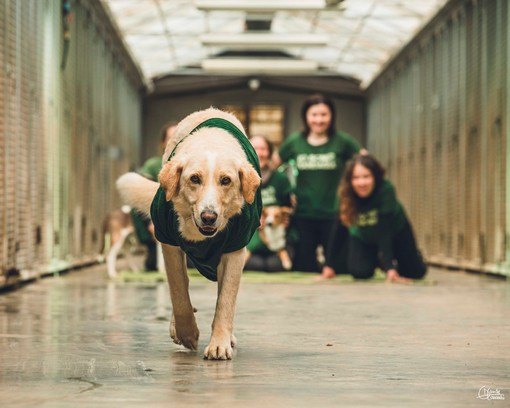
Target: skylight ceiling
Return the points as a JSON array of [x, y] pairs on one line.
[[352, 37]]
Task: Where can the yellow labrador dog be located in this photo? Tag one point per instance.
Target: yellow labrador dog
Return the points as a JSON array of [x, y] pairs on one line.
[[207, 206]]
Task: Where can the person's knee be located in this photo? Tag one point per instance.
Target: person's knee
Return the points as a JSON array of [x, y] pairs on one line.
[[305, 263], [306, 266], [273, 264], [416, 271], [422, 271], [255, 263], [359, 272]]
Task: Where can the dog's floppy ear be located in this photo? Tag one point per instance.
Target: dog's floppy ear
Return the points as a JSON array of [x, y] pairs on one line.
[[286, 213], [287, 210], [169, 178], [250, 182]]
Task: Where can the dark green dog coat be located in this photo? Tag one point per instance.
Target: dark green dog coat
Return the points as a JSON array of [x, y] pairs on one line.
[[206, 254]]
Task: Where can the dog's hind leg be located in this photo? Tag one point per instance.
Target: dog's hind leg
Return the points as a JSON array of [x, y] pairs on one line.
[[183, 328], [229, 277], [113, 253], [133, 266]]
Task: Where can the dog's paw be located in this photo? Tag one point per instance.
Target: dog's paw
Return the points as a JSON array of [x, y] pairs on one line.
[[185, 332], [285, 259], [287, 264], [220, 348]]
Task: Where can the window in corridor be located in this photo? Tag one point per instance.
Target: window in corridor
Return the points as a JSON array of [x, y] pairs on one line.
[[267, 120], [263, 119]]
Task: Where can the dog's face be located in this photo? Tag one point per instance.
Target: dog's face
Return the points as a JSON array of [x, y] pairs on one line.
[[208, 187], [274, 223], [274, 216]]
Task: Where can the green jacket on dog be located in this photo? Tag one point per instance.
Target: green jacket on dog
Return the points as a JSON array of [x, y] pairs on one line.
[[206, 254]]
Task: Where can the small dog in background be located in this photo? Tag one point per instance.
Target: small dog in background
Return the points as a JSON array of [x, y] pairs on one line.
[[273, 232], [117, 227]]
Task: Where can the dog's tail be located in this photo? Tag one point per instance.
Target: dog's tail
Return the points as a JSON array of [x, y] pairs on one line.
[[137, 191]]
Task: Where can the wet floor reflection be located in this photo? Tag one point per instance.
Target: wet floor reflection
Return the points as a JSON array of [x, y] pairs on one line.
[[81, 339], [59, 330]]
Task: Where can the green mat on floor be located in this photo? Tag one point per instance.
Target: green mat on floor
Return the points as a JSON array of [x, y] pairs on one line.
[[258, 277]]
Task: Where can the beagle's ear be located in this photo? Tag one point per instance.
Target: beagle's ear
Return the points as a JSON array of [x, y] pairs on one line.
[[169, 178], [250, 182]]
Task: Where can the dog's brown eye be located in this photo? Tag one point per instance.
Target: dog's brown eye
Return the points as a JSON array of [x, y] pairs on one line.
[[195, 179], [225, 181]]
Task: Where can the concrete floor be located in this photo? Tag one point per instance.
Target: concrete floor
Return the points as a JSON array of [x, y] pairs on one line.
[[81, 341]]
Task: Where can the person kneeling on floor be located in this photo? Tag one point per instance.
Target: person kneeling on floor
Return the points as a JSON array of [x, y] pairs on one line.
[[269, 249], [379, 231]]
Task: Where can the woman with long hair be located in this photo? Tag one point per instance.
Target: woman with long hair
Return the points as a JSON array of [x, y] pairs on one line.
[[380, 233]]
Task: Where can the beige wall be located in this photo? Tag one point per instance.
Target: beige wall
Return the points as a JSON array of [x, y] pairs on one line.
[[160, 110]]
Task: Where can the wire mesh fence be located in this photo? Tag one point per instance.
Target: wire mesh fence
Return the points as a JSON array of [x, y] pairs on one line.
[[449, 87], [69, 125]]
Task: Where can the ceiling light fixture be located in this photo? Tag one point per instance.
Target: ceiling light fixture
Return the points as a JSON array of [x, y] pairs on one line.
[[264, 40], [258, 66], [261, 5], [254, 84]]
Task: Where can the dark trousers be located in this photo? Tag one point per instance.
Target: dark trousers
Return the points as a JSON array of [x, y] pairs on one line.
[[336, 252], [264, 263], [151, 260], [362, 258], [311, 234], [144, 236]]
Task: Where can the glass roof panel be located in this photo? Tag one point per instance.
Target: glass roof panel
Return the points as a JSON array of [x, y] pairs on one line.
[[164, 35]]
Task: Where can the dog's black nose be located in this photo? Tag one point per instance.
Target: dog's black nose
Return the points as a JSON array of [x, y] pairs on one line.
[[208, 217]]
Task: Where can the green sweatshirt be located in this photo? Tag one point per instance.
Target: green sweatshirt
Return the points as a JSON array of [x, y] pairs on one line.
[[206, 254], [276, 190], [381, 216], [151, 168], [320, 169]]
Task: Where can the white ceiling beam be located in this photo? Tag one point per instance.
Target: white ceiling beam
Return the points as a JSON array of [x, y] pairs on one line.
[[262, 6], [258, 66], [263, 40]]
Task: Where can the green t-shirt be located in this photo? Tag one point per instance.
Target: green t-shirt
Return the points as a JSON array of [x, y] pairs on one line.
[[320, 169], [256, 246], [151, 168], [206, 254], [380, 217], [276, 190]]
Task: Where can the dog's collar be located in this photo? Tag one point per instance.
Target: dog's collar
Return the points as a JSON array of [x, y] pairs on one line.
[[224, 124]]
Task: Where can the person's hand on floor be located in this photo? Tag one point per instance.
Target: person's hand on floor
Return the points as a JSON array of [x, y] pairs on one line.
[[327, 273], [392, 276]]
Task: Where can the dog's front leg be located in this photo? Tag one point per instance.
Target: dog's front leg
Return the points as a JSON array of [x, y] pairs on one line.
[[183, 328], [285, 259], [229, 277]]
